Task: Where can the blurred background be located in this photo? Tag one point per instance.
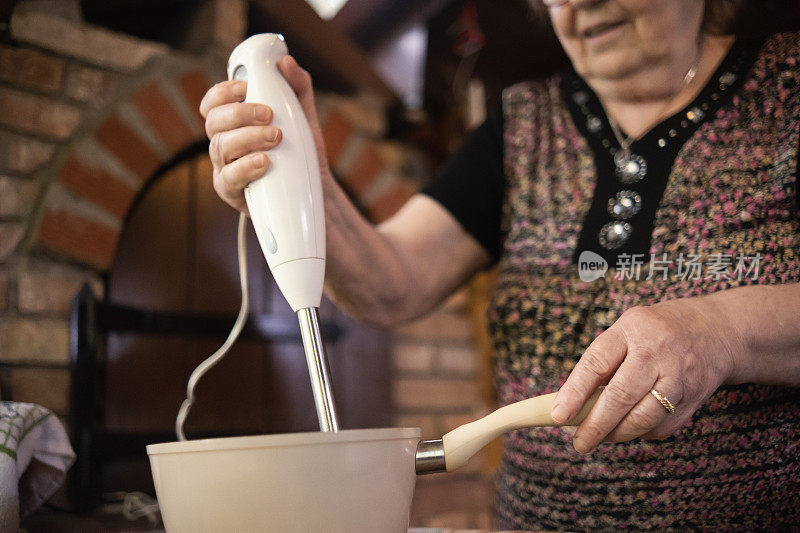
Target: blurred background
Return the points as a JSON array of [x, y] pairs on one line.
[[118, 262]]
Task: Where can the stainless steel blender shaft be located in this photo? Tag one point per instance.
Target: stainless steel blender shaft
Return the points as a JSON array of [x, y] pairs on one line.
[[318, 368]]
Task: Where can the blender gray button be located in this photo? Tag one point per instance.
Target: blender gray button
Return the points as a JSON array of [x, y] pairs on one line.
[[272, 244], [240, 73]]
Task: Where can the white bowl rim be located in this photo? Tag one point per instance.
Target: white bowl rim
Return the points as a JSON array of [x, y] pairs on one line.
[[282, 440]]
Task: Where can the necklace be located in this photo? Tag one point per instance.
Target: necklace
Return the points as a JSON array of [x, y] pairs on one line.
[[631, 167]]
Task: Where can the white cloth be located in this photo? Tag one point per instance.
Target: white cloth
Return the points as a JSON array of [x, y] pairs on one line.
[[35, 455]]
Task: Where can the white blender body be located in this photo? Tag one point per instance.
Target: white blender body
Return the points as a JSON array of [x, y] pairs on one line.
[[286, 202], [286, 205]]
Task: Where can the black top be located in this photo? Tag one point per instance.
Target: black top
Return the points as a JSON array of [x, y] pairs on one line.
[[471, 185]]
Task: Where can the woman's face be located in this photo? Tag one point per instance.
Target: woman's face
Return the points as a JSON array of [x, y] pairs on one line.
[[612, 39]]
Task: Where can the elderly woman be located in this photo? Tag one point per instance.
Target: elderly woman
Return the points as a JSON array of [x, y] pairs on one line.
[[669, 154]]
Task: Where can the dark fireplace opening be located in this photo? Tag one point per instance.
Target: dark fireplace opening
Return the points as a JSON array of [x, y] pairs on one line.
[[172, 295]]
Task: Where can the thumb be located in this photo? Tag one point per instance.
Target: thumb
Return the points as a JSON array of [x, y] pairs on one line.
[[300, 81]]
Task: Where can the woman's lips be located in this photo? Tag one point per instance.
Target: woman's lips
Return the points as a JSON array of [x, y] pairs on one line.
[[598, 32]]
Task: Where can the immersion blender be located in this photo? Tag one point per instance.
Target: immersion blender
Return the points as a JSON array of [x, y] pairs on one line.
[[286, 206]]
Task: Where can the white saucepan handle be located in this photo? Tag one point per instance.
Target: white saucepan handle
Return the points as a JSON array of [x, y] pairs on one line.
[[465, 441]]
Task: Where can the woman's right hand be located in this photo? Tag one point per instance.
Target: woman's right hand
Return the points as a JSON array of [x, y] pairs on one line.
[[241, 133]]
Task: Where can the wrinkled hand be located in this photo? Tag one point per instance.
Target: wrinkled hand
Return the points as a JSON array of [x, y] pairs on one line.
[[683, 348], [241, 133]]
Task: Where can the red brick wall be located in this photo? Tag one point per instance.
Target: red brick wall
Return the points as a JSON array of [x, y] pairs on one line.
[[88, 116], [438, 387]]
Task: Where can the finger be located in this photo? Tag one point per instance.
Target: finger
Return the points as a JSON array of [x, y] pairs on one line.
[[676, 394], [648, 414], [232, 116], [231, 180], [596, 365], [669, 426], [635, 377], [300, 81], [224, 92], [228, 146]]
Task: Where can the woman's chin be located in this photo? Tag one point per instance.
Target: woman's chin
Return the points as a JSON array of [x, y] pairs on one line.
[[613, 65]]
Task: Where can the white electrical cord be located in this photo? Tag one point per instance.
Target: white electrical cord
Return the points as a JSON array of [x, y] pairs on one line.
[[215, 358], [132, 506]]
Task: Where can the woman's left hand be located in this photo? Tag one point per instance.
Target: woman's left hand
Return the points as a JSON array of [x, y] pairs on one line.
[[683, 348]]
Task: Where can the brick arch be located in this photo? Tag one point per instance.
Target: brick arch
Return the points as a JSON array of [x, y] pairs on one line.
[[99, 172], [102, 172]]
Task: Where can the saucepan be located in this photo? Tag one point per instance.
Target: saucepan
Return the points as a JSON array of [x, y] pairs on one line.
[[347, 481]]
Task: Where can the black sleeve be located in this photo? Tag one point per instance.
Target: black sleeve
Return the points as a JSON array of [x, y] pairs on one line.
[[471, 185]]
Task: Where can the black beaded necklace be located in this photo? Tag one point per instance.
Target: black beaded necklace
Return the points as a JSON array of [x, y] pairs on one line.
[[632, 167], [621, 217]]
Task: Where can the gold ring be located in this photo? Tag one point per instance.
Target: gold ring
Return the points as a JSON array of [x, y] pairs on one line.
[[663, 401]]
